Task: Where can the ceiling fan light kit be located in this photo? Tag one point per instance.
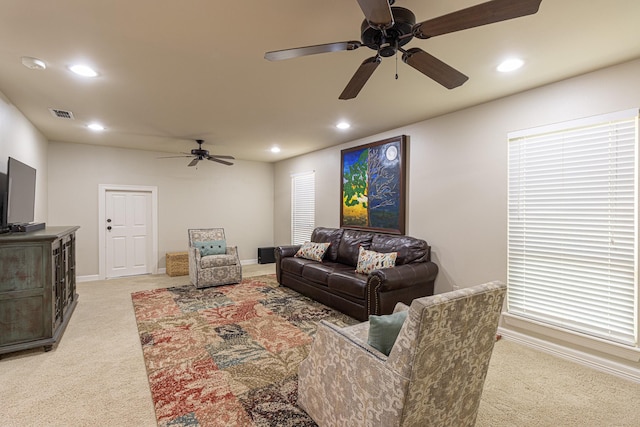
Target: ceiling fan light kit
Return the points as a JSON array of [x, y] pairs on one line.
[[387, 29]]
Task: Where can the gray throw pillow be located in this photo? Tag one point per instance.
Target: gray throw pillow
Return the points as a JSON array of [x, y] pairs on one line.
[[213, 247], [383, 330]]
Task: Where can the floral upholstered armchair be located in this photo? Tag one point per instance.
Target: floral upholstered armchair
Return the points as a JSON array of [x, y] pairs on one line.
[[211, 262], [433, 376]]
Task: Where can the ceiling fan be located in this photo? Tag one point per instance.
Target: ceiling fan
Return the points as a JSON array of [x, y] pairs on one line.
[[201, 154], [387, 29]]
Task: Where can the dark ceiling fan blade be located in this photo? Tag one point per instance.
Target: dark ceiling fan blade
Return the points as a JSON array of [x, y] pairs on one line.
[[432, 67], [194, 162], [221, 157], [377, 12], [278, 55], [475, 16], [173, 157], [215, 159], [361, 76]]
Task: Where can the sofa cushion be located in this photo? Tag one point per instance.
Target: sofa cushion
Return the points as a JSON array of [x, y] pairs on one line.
[[371, 260], [294, 265], [328, 235], [217, 261], [317, 272], [349, 245], [349, 282], [409, 249], [312, 250]]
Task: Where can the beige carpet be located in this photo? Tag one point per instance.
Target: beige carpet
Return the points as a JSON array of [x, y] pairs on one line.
[[96, 375], [525, 387]]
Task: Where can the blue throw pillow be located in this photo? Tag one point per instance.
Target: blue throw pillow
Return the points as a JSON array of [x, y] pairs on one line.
[[383, 330], [213, 247]]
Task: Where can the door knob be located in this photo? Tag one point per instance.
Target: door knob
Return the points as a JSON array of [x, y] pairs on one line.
[[109, 228], [109, 220]]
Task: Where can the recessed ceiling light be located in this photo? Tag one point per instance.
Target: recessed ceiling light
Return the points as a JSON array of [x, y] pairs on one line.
[[83, 70], [343, 125], [275, 149], [33, 63], [510, 64], [96, 126]]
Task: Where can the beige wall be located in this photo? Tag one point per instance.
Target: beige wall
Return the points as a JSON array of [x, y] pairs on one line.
[[457, 184], [238, 198], [456, 187], [457, 192], [456, 179], [22, 141]]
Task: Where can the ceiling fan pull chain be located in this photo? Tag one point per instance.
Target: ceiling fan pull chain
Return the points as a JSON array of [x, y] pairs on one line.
[[396, 65]]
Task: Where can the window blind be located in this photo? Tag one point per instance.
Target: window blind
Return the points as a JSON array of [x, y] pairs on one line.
[[572, 226], [303, 207]]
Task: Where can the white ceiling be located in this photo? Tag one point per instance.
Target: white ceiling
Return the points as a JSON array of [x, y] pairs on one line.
[[172, 71]]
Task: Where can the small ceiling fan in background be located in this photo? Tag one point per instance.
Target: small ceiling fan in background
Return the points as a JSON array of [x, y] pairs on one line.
[[387, 29], [201, 154]]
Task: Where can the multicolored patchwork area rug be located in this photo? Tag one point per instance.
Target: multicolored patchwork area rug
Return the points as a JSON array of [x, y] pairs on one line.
[[228, 355]]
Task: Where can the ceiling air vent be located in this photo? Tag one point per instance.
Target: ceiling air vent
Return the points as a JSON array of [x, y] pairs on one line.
[[61, 114]]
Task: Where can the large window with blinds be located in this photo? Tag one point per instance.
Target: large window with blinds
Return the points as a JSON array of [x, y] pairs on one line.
[[303, 207], [572, 226]]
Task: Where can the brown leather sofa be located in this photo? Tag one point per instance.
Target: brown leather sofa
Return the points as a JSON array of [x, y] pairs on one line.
[[335, 283]]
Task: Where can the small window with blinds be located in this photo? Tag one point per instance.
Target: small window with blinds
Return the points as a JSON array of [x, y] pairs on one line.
[[303, 207], [572, 226]]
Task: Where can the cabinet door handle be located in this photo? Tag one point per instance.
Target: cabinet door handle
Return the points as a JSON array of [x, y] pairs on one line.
[[109, 228]]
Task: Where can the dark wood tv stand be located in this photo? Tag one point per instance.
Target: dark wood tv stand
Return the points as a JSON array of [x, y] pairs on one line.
[[37, 287]]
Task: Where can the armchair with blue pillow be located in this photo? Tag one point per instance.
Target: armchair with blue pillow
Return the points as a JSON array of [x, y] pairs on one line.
[[423, 365], [211, 261]]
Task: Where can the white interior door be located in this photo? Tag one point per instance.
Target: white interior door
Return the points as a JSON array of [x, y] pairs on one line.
[[128, 233]]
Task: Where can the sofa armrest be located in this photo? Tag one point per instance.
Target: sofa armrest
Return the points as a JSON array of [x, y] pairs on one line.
[[401, 307], [233, 250], [403, 283], [342, 379], [194, 254], [403, 276], [281, 252], [286, 251], [194, 263], [353, 339]]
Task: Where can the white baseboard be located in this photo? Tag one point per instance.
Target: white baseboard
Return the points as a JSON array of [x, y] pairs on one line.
[[94, 277], [589, 360]]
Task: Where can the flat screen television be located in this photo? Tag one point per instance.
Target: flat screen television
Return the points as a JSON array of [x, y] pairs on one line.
[[21, 193], [3, 203]]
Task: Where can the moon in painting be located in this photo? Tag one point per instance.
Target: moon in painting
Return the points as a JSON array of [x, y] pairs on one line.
[[392, 153]]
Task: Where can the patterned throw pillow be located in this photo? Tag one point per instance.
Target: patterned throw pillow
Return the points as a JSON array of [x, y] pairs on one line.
[[313, 251], [371, 260]]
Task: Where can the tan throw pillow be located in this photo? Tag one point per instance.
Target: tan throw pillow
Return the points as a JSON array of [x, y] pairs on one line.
[[370, 260], [312, 251]]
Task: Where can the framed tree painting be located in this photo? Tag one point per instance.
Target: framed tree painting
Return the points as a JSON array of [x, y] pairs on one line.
[[372, 186]]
